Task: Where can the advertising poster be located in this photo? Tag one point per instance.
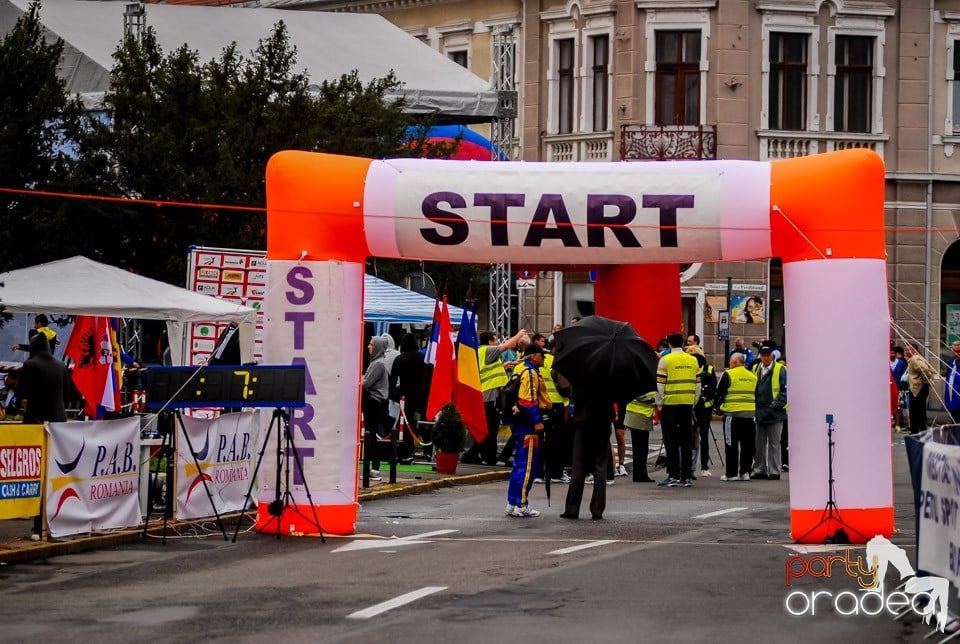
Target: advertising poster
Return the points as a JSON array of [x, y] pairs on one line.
[[93, 477], [748, 309], [235, 276], [222, 462], [712, 307], [953, 323], [21, 470]]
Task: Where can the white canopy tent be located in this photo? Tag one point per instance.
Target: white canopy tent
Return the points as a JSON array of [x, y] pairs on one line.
[[328, 45], [81, 286]]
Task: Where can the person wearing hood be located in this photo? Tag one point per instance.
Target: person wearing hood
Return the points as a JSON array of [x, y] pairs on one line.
[[373, 401], [41, 326], [43, 381]]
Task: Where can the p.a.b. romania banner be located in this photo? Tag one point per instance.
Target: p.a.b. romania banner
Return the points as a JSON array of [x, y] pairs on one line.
[[21, 470], [93, 476], [222, 462]]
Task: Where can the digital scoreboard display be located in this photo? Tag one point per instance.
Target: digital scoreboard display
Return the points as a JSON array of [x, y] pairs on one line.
[[226, 386]]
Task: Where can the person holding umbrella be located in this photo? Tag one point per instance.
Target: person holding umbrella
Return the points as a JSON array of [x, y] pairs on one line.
[[678, 389], [527, 428], [602, 361]]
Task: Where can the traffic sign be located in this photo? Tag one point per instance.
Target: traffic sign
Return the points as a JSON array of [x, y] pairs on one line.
[[723, 326], [526, 284], [526, 275]]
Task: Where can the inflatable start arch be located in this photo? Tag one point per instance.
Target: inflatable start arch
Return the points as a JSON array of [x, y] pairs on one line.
[[823, 215]]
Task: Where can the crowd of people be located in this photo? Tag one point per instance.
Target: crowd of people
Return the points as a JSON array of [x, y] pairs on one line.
[[563, 436]]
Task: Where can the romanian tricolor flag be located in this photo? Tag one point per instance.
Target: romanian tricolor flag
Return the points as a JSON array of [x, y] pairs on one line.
[[466, 392]]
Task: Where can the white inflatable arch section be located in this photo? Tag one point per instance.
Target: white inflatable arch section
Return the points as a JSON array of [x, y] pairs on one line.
[[823, 215]]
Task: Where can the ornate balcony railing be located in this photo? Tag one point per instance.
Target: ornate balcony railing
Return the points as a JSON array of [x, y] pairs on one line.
[[591, 146], [783, 144], [664, 142]]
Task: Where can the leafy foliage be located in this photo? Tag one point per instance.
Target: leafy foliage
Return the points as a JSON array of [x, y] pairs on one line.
[[449, 431], [173, 128]]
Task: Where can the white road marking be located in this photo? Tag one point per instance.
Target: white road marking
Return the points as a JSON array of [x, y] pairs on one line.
[[718, 513], [582, 546], [375, 544], [396, 602]]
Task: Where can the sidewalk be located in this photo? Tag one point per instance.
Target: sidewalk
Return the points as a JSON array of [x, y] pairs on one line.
[[16, 545]]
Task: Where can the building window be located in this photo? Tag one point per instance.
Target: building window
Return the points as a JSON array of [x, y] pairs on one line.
[[678, 78], [788, 81], [853, 89], [566, 62], [601, 82], [460, 58], [955, 89]]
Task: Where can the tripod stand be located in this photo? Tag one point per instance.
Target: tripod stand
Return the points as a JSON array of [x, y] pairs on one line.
[[830, 512], [284, 497], [167, 453]]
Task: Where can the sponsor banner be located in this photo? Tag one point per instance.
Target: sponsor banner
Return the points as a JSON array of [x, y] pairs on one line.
[[21, 470], [93, 476], [222, 463], [938, 541], [234, 275]]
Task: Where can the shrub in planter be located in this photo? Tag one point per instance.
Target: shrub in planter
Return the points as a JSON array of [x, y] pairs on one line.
[[449, 432]]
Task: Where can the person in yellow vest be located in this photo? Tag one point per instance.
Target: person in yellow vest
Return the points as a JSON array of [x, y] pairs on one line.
[[736, 400], [678, 389], [492, 378], [771, 412], [639, 420], [558, 441]]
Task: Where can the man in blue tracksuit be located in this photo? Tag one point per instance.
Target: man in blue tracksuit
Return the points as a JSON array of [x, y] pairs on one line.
[[527, 428]]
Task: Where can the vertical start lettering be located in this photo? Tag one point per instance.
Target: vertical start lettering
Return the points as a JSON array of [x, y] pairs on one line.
[[301, 293]]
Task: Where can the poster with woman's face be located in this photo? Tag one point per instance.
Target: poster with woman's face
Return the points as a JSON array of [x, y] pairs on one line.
[[748, 309]]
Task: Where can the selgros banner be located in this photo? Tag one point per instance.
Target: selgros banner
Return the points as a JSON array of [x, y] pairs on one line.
[[93, 476], [21, 470], [215, 476], [938, 543]]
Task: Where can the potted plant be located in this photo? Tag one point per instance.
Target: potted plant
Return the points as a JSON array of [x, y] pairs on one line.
[[449, 435]]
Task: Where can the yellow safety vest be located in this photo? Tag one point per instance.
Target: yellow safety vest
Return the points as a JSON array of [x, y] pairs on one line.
[[775, 385], [742, 393], [491, 375], [642, 405], [555, 396], [680, 380]]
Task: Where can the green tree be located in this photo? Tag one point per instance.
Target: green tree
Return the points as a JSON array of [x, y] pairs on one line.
[[37, 122], [186, 131]]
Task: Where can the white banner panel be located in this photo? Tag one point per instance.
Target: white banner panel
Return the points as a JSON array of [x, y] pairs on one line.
[[938, 541], [861, 414], [224, 456], [315, 318], [571, 213], [92, 476]]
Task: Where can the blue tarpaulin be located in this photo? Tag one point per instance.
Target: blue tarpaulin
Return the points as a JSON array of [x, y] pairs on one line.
[[385, 303]]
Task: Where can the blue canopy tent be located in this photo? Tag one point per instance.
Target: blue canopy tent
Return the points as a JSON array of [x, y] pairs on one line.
[[385, 304]]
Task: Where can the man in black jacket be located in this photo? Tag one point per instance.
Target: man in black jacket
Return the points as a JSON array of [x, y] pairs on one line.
[[43, 379]]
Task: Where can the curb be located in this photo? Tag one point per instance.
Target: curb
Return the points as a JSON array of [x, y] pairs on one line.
[[44, 550]]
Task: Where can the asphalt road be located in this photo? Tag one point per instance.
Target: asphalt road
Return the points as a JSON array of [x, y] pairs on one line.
[[702, 564]]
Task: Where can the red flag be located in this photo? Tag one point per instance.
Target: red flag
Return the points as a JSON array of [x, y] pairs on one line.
[[444, 370], [90, 348], [466, 392]]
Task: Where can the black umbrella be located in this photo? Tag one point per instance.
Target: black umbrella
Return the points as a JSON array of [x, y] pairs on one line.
[[606, 358]]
